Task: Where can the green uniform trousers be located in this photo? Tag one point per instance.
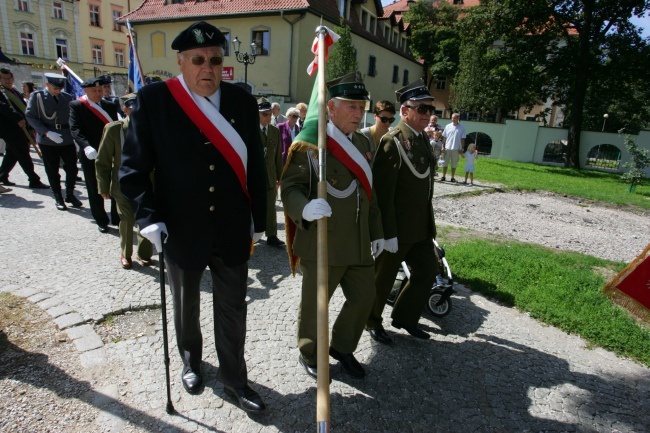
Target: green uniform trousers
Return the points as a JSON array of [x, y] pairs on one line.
[[271, 214], [127, 221], [408, 307], [358, 287]]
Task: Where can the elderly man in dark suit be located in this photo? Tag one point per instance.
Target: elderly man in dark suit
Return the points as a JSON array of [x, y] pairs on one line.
[[202, 137], [88, 116]]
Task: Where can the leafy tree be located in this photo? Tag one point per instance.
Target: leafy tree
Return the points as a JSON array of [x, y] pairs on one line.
[[342, 55], [434, 36], [640, 160], [562, 49]]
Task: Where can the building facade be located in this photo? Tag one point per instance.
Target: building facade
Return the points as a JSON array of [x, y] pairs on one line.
[[283, 33]]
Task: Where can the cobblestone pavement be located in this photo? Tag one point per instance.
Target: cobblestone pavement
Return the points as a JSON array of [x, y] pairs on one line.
[[486, 368]]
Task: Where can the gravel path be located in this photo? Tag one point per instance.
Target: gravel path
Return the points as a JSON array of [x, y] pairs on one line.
[[552, 220]]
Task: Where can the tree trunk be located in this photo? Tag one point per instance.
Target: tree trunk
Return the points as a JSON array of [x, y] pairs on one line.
[[580, 84]]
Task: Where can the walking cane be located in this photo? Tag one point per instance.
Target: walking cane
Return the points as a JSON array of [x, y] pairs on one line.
[[161, 259], [31, 141]]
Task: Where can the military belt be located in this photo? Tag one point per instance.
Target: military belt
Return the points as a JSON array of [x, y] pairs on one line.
[[60, 126]]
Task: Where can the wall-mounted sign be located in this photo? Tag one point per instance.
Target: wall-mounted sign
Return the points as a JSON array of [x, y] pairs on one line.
[[228, 73]]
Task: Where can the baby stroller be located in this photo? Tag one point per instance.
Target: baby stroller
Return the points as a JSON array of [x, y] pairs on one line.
[[439, 303]]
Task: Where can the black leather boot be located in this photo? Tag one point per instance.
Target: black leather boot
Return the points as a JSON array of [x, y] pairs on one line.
[[70, 198], [58, 198]]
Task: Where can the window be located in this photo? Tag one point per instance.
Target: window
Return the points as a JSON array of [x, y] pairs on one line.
[[373, 25], [27, 44], [226, 48], [405, 79], [364, 18], [372, 66], [57, 10], [94, 16], [119, 57], [458, 2], [61, 48], [116, 16], [403, 44], [23, 5], [98, 54], [262, 39], [387, 33], [441, 83], [396, 38], [395, 74]]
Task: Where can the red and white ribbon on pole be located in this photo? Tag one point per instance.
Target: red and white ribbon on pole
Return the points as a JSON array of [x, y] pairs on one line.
[[330, 39]]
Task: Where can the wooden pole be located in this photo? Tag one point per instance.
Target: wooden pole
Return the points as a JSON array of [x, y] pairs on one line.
[[31, 141], [322, 322]]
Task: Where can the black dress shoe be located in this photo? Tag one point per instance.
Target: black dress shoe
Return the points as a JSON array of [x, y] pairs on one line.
[[6, 182], [102, 229], [349, 363], [74, 201], [412, 329], [274, 241], [38, 185], [310, 369], [58, 199], [248, 399], [192, 381], [380, 335]]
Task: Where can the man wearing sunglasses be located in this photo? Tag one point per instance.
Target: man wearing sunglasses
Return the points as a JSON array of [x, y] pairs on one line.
[[201, 136], [403, 173], [48, 112]]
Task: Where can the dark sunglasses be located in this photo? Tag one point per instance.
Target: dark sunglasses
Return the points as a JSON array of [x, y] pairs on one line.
[[199, 60], [293, 116], [422, 109], [386, 119]]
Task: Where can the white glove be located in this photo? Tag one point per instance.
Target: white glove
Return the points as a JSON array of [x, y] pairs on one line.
[[54, 136], [316, 209], [90, 152], [257, 236], [391, 245], [377, 247], [153, 232]]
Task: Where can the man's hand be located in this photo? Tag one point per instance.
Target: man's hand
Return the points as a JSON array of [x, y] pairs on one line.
[[153, 232], [54, 136], [377, 247], [316, 209], [90, 152], [22, 123], [391, 245]]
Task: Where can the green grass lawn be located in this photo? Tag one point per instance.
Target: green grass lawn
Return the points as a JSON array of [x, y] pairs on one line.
[[588, 184], [563, 289]]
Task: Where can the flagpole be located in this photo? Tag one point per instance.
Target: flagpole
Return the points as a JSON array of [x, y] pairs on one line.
[[63, 65], [135, 53], [322, 321]]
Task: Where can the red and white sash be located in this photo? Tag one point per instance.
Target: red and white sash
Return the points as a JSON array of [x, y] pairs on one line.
[[96, 109], [216, 128], [346, 152]]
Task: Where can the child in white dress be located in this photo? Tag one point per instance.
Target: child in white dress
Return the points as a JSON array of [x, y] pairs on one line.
[[470, 157]]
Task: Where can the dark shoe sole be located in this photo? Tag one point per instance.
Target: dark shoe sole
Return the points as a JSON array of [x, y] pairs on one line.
[[234, 395]]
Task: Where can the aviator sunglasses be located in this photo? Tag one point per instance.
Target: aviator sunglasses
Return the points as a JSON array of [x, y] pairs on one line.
[[386, 119], [422, 109], [199, 60]]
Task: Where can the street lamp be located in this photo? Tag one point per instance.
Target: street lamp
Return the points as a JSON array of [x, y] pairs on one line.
[[605, 117], [245, 58]]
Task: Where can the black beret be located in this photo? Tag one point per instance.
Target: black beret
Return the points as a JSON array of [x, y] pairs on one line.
[[263, 104], [106, 79], [349, 87], [56, 80], [92, 82], [199, 35], [414, 91]]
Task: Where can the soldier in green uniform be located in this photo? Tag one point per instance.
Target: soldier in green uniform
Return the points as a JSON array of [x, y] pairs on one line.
[[107, 165], [354, 225], [403, 172], [273, 157]]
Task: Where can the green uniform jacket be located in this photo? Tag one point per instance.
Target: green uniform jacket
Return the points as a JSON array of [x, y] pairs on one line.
[[273, 155], [109, 158], [404, 198], [349, 236]]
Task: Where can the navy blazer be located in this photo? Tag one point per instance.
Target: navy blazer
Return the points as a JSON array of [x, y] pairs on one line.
[[86, 127], [197, 194]]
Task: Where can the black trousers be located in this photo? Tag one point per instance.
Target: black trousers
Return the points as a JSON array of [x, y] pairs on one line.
[[96, 201], [229, 310], [51, 157], [17, 151]]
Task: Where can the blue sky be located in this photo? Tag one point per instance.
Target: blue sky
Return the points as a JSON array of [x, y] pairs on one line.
[[642, 22]]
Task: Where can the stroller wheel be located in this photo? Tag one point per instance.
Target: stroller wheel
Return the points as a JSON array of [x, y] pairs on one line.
[[439, 303]]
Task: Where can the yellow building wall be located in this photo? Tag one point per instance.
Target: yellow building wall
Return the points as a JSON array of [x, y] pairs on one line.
[[281, 74], [104, 35], [45, 28]]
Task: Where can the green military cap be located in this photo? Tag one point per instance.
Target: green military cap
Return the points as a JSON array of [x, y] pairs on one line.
[[349, 87], [263, 104], [413, 92], [128, 100]]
